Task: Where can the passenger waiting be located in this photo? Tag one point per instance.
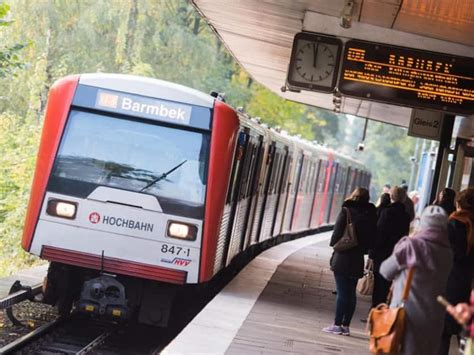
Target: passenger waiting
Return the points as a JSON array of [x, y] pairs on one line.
[[409, 205], [348, 265], [461, 237], [384, 201], [446, 199], [392, 225], [429, 253]]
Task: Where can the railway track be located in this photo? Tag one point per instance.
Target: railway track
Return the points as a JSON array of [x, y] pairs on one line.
[[79, 334], [71, 335]]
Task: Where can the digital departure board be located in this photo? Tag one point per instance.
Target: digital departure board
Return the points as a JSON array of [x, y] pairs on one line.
[[408, 77]]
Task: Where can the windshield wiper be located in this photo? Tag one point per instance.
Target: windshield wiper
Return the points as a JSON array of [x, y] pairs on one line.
[[162, 176]]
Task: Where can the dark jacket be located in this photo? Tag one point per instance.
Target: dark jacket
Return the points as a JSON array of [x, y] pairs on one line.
[[351, 262], [459, 281], [458, 288], [448, 207], [410, 208], [392, 225]]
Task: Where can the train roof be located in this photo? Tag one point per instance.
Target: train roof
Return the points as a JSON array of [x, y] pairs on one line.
[[148, 87]]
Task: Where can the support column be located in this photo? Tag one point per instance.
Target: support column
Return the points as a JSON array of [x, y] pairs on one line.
[[444, 144]]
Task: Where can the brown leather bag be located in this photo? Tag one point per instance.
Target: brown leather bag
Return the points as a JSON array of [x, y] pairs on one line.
[[386, 325]]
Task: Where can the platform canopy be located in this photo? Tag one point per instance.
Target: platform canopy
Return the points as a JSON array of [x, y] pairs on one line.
[[259, 34]]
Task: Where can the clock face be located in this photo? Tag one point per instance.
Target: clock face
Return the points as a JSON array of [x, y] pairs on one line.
[[314, 62]]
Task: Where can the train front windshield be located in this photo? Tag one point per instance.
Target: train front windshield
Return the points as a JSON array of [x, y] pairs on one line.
[[140, 156]]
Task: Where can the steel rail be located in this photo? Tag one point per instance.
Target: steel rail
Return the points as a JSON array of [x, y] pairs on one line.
[[30, 337], [19, 296]]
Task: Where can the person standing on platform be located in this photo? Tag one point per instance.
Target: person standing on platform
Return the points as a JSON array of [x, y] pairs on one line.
[[446, 199], [461, 237], [409, 206], [392, 225], [384, 202], [428, 251], [348, 265]]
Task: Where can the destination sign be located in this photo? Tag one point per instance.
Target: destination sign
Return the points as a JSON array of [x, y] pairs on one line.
[[408, 77]]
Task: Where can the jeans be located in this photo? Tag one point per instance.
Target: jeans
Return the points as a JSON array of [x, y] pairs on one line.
[[346, 299]]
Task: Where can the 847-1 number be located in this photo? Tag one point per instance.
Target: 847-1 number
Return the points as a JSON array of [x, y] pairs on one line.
[[175, 250]]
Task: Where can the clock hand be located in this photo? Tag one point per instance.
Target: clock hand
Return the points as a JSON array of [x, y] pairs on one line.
[[315, 54]]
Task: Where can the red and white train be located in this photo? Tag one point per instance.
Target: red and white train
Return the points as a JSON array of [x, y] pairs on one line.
[[142, 184]]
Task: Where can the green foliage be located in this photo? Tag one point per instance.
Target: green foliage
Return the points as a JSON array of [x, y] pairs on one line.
[[17, 157], [9, 56]]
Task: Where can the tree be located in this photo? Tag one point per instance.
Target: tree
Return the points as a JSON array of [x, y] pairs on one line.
[[9, 55]]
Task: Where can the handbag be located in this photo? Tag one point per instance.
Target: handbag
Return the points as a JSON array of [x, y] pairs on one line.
[[365, 286], [386, 326], [349, 238]]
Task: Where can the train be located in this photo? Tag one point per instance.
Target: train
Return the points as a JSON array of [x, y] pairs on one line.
[[144, 186]]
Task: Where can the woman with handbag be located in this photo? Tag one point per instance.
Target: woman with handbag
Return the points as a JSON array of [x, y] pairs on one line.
[[353, 235], [428, 254]]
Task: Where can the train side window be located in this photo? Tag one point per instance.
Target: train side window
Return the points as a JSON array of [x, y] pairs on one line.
[[278, 174], [252, 170], [304, 169], [322, 175], [274, 167], [296, 176], [238, 157], [255, 178], [286, 174], [309, 185], [245, 170]]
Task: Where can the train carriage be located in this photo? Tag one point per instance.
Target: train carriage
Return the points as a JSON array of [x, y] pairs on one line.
[[141, 184]]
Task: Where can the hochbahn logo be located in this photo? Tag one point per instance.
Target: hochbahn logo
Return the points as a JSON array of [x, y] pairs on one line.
[[95, 218]]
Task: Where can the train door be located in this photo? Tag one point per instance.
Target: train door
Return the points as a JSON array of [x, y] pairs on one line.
[[339, 193], [324, 202], [290, 208], [271, 198], [242, 200], [355, 177], [331, 192], [254, 192], [318, 200], [337, 196], [290, 195], [348, 182], [296, 195], [307, 182], [261, 186], [312, 223], [231, 202], [283, 192]]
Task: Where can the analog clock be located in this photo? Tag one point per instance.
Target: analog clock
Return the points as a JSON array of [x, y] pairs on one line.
[[314, 63]]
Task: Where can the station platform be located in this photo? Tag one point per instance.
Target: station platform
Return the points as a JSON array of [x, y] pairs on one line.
[[278, 304]]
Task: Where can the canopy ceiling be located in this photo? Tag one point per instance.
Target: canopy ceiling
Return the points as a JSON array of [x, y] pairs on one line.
[[259, 34]]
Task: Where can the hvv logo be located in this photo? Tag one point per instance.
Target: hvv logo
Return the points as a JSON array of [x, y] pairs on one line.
[[177, 261]]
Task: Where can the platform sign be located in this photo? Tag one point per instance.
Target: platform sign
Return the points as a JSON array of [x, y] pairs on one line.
[[409, 77], [426, 124]]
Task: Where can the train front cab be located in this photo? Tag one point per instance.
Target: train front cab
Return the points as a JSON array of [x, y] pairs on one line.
[[121, 187]]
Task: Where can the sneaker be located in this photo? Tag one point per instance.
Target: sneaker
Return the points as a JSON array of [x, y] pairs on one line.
[[334, 329], [345, 331]]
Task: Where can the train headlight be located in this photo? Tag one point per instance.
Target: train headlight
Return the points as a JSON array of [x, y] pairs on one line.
[[64, 209], [181, 230]]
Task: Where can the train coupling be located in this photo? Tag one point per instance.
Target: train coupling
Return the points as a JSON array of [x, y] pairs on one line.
[[103, 297]]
